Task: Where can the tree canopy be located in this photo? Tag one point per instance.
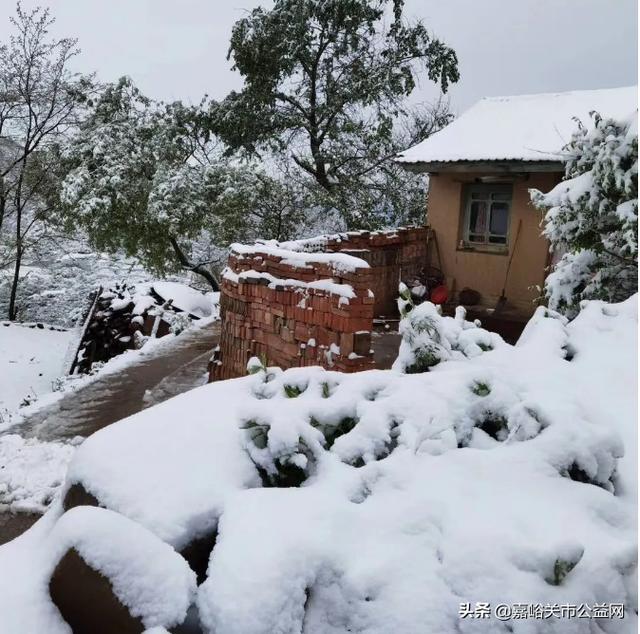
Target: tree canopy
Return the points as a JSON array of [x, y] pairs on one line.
[[148, 179], [326, 83]]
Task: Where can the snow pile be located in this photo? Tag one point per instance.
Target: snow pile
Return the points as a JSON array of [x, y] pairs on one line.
[[185, 298], [31, 472], [146, 575], [147, 295], [380, 501]]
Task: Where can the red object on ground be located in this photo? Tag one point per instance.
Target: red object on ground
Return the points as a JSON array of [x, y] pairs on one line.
[[440, 294]]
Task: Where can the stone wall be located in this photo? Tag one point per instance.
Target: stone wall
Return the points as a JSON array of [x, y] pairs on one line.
[[312, 302]]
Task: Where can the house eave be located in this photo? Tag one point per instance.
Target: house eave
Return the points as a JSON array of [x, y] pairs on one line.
[[509, 167]]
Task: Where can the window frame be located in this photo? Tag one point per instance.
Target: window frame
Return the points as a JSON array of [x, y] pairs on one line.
[[487, 190]]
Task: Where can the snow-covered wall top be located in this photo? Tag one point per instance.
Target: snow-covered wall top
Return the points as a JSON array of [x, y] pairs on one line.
[[339, 262], [335, 241], [524, 127]]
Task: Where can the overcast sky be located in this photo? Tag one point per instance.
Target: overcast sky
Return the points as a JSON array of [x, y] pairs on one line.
[[176, 49]]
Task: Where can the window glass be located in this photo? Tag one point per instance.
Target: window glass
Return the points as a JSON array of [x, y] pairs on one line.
[[499, 218], [478, 217], [487, 217]]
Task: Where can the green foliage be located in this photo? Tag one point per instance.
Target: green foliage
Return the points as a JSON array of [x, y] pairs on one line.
[[332, 432], [149, 179], [494, 425], [405, 300], [325, 82], [562, 567], [592, 217], [481, 389], [256, 365], [257, 433], [425, 357], [293, 391]]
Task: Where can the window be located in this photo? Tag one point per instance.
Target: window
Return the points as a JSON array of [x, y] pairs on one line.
[[486, 216]]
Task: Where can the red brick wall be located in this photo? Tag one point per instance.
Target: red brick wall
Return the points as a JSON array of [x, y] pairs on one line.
[[264, 316], [396, 255], [282, 322]]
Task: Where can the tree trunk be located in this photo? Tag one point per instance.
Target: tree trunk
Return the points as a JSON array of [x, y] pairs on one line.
[[14, 284], [195, 268], [3, 208]]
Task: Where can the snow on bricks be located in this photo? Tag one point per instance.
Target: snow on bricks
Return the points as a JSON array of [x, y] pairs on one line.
[[312, 302], [294, 309], [394, 254]]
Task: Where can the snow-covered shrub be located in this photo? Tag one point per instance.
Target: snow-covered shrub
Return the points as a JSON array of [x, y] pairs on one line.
[[429, 338], [255, 365], [591, 217], [179, 323]]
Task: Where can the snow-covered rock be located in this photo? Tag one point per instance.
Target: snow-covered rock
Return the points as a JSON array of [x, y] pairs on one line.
[[101, 558], [172, 466]]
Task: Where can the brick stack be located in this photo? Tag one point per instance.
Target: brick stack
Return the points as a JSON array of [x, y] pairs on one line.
[[266, 314], [400, 254]]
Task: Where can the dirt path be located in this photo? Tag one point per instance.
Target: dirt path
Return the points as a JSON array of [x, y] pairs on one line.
[[172, 369]]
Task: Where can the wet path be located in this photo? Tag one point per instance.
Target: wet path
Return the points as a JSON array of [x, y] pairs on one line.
[[172, 369]]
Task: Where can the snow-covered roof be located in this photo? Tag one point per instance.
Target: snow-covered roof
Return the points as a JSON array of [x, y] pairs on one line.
[[519, 128]]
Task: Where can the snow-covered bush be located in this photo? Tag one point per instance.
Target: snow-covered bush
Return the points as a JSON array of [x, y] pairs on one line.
[[591, 217], [179, 323], [429, 338]]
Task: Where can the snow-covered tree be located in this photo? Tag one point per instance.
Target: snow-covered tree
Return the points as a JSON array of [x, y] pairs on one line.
[[326, 85], [148, 179], [40, 100], [591, 217]]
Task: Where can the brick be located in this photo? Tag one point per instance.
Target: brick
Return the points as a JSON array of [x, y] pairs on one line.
[[362, 343], [346, 344]]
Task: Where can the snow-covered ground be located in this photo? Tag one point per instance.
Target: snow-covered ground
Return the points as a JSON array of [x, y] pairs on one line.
[[375, 502], [31, 472], [30, 361]]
